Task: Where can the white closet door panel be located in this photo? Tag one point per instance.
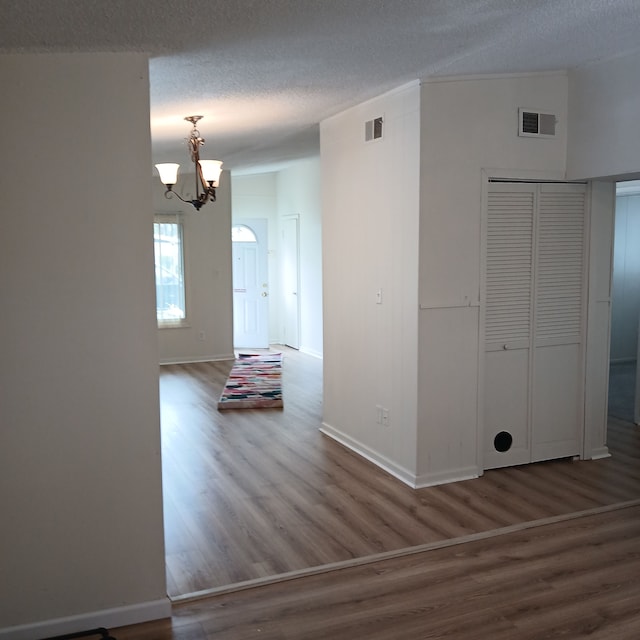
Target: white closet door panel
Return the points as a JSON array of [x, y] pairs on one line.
[[559, 304], [559, 318], [509, 267], [557, 394], [506, 402], [508, 297]]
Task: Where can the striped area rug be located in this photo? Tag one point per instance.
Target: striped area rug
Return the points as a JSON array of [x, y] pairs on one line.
[[255, 382]]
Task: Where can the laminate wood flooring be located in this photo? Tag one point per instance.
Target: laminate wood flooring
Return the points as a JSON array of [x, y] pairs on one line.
[[579, 578], [250, 494]]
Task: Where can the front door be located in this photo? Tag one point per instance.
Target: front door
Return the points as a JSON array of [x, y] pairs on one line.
[[250, 284]]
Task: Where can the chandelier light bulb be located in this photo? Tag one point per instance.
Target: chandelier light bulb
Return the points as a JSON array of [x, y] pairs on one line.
[[168, 173], [211, 170]]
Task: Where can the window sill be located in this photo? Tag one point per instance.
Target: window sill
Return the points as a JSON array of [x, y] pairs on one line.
[[178, 324]]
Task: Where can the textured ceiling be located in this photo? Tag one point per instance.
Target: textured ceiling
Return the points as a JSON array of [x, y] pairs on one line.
[[265, 72]]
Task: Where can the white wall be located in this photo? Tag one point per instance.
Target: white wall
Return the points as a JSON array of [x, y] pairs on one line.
[[468, 125], [299, 194], [207, 256], [604, 137], [370, 243], [81, 540], [625, 307]]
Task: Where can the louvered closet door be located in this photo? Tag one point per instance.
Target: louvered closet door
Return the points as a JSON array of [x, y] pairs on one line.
[[509, 262], [533, 307], [557, 413]]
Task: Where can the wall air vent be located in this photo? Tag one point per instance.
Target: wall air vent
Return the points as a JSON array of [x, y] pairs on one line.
[[373, 129], [533, 123]]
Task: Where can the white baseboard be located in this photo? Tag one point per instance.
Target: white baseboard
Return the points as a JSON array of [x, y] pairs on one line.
[[372, 456], [190, 360], [415, 482], [444, 477], [108, 618], [599, 453], [312, 352], [622, 361]]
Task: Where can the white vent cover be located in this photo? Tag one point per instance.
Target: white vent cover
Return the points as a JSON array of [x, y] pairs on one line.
[[373, 129], [533, 123]]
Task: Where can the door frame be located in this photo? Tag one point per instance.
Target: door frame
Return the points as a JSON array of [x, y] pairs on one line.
[[537, 177], [285, 220]]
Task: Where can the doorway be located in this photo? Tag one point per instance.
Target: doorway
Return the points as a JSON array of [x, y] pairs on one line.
[[250, 284], [624, 378]]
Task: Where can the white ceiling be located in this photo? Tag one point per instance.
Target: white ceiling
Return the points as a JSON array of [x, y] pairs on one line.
[[265, 72]]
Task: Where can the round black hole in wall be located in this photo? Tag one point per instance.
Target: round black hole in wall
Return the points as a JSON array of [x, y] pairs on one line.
[[503, 441]]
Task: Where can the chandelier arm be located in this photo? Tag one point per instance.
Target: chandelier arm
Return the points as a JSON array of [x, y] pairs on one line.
[[208, 192], [200, 178], [169, 193]]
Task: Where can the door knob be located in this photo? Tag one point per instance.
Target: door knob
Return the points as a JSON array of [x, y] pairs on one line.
[[264, 294]]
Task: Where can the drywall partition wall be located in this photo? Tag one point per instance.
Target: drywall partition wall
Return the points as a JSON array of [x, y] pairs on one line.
[[469, 132], [255, 196], [625, 303], [81, 542], [604, 137], [370, 286], [299, 193], [208, 331]]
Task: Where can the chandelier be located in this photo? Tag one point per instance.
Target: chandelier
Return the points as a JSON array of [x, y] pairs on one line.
[[207, 171]]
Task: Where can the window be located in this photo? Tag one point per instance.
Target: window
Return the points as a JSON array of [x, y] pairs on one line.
[[242, 233], [169, 262]]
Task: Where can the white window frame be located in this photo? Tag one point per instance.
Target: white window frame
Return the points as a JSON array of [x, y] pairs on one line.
[[176, 323]]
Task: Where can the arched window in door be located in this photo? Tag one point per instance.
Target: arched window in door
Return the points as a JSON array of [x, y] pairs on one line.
[[242, 233]]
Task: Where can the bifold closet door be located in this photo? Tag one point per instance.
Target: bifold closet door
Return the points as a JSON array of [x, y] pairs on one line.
[[508, 304], [560, 310], [533, 307]]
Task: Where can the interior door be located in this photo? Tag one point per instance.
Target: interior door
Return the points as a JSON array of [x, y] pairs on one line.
[[508, 302], [560, 309], [291, 281], [250, 284]]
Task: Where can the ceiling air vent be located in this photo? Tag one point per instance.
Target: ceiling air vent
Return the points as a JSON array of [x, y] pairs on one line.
[[535, 124], [373, 129]]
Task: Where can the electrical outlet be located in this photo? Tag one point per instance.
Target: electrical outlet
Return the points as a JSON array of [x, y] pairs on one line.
[[201, 336]]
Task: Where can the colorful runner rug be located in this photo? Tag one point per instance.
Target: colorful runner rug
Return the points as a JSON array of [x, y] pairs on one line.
[[255, 382]]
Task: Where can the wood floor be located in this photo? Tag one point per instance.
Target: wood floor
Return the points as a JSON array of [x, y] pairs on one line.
[[254, 493], [574, 579]]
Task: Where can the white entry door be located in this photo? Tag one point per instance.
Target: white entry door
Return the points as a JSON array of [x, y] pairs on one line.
[[250, 284], [290, 282]]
